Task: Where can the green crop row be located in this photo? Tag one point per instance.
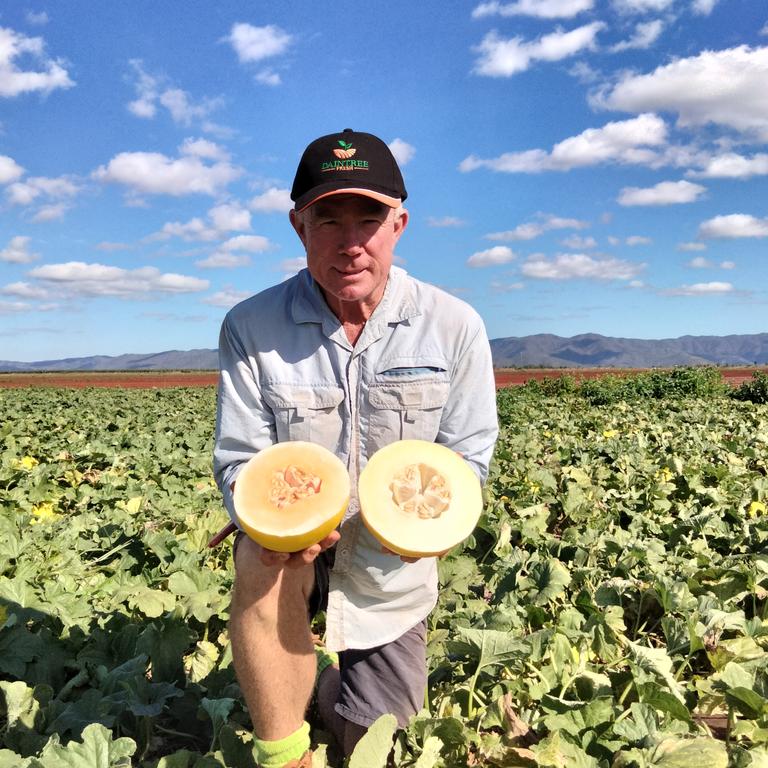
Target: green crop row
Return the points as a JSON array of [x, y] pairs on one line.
[[610, 611]]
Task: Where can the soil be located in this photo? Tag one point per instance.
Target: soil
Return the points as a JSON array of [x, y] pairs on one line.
[[154, 379]]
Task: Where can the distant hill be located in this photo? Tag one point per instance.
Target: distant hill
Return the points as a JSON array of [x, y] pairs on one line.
[[540, 351], [595, 351]]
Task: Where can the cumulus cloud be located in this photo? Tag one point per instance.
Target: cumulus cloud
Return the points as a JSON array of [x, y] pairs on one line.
[[499, 254], [230, 217], [699, 262], [624, 142], [51, 212], [641, 6], [533, 229], [292, 266], [702, 289], [634, 240], [663, 193], [499, 287], [726, 88], [52, 194], [156, 174], [579, 243], [504, 57], [646, 34], [445, 222], [10, 170], [17, 251], [25, 290], [541, 9], [735, 225], [731, 165], [572, 266], [256, 44], [37, 19], [224, 260], [156, 90], [77, 278], [226, 298], [703, 7], [691, 247], [402, 150], [14, 81], [249, 243], [273, 200]]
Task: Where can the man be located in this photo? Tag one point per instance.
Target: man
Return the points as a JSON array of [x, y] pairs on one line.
[[353, 354]]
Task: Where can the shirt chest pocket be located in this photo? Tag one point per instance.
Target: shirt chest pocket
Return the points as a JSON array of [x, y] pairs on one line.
[[307, 413], [408, 410]]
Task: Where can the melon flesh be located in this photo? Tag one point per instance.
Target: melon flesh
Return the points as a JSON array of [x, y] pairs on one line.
[[418, 498], [291, 495]]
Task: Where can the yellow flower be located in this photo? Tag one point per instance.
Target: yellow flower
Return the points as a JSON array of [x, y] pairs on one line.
[[44, 513], [610, 432], [756, 508], [666, 474], [27, 462]]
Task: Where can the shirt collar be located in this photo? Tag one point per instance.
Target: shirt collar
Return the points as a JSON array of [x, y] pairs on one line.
[[397, 305]]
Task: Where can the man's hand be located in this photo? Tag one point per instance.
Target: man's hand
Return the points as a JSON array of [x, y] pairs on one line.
[[298, 559], [407, 559]]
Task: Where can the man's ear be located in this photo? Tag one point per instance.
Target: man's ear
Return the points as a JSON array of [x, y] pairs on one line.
[[401, 222], [298, 223]]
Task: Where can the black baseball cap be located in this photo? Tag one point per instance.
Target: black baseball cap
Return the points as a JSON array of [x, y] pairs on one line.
[[349, 162]]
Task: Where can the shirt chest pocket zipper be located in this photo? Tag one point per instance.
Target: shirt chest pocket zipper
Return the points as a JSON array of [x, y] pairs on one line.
[[408, 410], [307, 413]]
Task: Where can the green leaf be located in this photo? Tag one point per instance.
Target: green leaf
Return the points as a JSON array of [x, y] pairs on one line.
[[373, 749], [97, 750], [202, 661], [690, 753], [488, 647], [430, 754], [545, 581]]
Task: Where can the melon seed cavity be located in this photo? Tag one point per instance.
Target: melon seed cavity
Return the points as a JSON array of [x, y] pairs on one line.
[[291, 484], [422, 490]]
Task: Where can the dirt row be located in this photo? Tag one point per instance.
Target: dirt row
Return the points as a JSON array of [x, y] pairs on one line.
[[161, 379]]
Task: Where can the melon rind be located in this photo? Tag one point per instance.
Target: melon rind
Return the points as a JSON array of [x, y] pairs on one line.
[[303, 523], [407, 534]]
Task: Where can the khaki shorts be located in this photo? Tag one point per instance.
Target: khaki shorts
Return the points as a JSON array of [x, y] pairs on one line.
[[390, 678]]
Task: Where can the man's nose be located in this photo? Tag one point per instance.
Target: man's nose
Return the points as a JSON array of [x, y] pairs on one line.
[[350, 236]]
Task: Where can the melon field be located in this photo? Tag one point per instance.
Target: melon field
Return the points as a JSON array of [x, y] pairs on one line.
[[610, 611]]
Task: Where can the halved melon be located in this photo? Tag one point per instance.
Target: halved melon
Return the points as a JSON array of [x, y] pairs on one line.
[[418, 498], [291, 495]]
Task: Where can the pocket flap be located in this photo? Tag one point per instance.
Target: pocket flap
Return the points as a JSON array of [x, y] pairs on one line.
[[302, 397], [413, 395]]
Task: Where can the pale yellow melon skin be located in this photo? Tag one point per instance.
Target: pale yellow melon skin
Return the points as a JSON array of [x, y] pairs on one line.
[[307, 521], [407, 534]]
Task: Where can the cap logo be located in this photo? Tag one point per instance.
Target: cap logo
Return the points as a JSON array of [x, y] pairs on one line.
[[345, 152]]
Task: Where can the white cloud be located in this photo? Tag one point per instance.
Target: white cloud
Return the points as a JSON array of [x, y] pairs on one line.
[[37, 19], [579, 243], [10, 170], [9, 307], [194, 230], [15, 81], [634, 240], [542, 9], [498, 287], [25, 291], [258, 43], [646, 34], [28, 191], [725, 87], [17, 251], [446, 222], [76, 278], [402, 150], [51, 212], [250, 243], [533, 229], [224, 260], [268, 77], [203, 148], [226, 298], [703, 7], [663, 193], [641, 6], [499, 254], [702, 289], [292, 266], [274, 200], [501, 57], [691, 247], [156, 174], [764, 30], [727, 265], [734, 166], [182, 109], [624, 142], [699, 262], [572, 266], [735, 225], [230, 217]]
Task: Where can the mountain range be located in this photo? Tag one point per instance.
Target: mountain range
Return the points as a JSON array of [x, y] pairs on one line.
[[538, 351]]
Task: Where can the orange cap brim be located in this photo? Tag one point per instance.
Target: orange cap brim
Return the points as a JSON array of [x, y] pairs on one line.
[[392, 202]]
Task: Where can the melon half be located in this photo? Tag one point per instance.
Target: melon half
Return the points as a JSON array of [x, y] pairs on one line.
[[291, 495], [418, 498]]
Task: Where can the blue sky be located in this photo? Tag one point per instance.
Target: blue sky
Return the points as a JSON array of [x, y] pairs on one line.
[[573, 166]]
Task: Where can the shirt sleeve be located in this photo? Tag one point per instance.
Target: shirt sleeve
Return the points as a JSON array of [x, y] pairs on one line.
[[244, 422], [469, 424]]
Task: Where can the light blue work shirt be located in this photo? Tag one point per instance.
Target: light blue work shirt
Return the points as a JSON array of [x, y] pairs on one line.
[[420, 369]]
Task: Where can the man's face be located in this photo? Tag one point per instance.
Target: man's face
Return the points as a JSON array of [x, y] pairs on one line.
[[350, 241]]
